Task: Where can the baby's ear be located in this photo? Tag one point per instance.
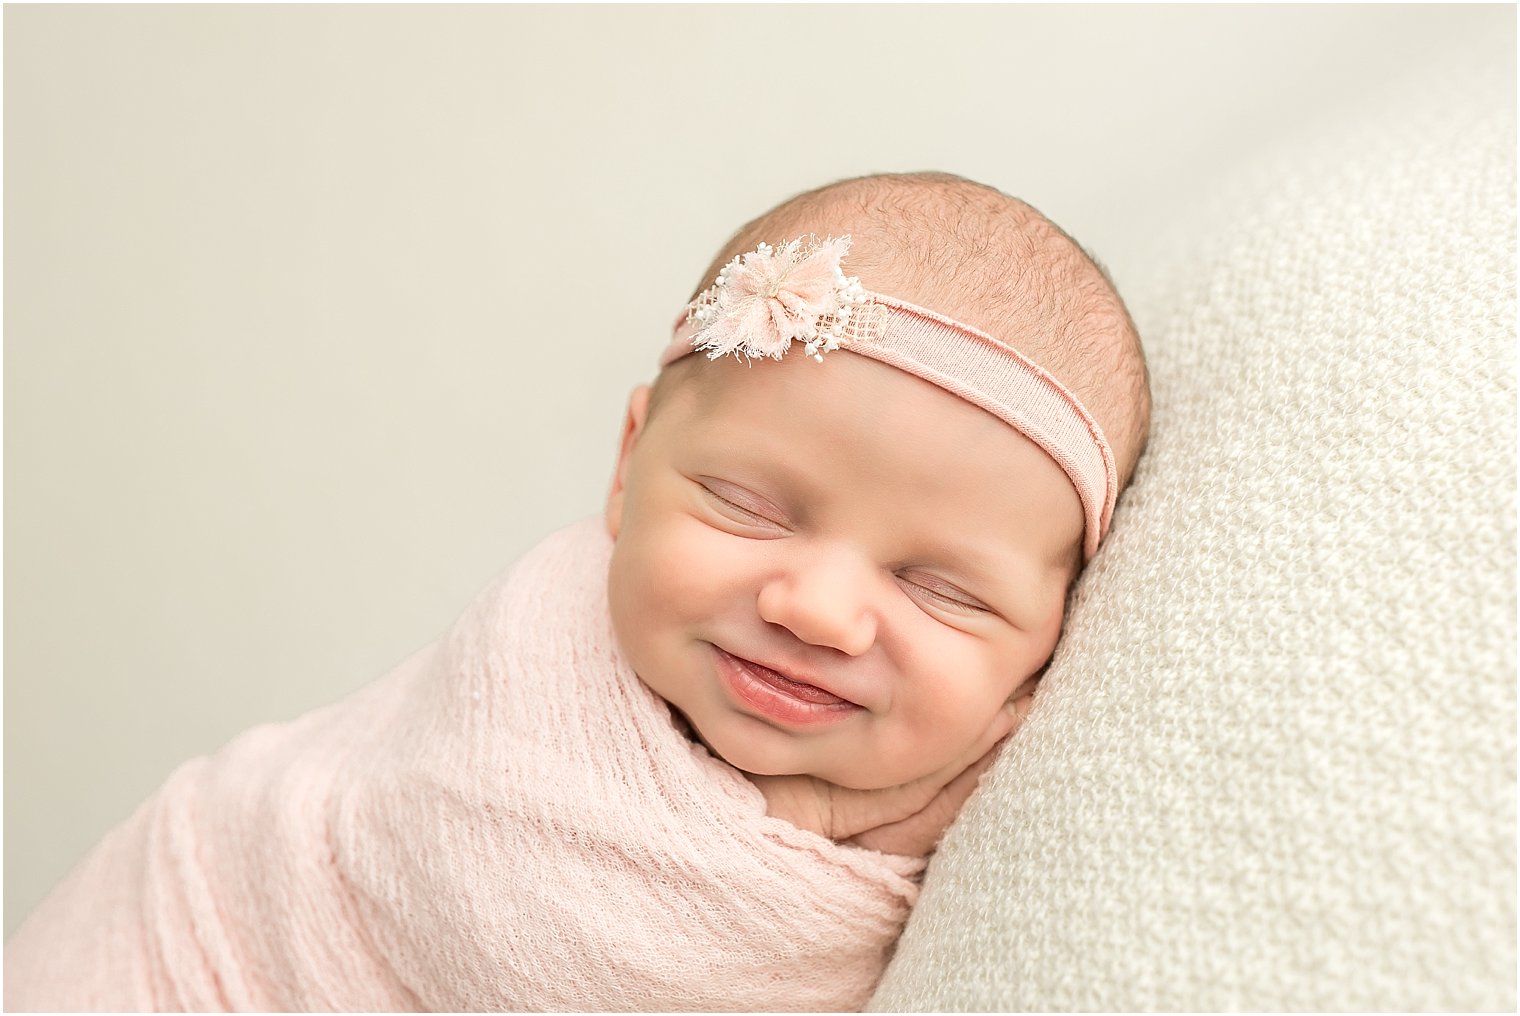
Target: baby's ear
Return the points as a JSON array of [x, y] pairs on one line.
[[633, 426]]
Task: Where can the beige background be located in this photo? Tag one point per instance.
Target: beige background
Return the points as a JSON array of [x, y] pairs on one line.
[[316, 317]]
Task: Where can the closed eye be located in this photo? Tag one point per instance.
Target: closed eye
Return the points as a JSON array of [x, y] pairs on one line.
[[736, 509], [947, 597]]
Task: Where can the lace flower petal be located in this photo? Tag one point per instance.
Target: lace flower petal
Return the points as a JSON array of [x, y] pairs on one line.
[[765, 299]]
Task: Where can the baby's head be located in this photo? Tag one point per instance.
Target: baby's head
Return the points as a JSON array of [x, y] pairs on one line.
[[843, 562]]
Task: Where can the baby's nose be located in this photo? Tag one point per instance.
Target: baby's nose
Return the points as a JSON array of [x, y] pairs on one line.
[[824, 601]]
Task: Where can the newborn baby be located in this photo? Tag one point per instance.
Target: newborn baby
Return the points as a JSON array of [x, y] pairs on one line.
[[850, 569], [691, 754]]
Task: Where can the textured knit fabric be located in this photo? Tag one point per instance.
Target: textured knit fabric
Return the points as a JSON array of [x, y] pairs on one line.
[[1273, 764], [507, 821]]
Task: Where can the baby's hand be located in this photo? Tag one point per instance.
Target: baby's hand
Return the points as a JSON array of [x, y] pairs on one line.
[[906, 819]]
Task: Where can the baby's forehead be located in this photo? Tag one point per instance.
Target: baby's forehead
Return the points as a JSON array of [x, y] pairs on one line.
[[848, 388]]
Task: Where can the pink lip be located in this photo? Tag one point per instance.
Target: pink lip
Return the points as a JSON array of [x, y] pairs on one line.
[[780, 697]]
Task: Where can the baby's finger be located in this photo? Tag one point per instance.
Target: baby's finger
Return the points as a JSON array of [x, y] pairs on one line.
[[1004, 722], [1008, 719], [919, 833]]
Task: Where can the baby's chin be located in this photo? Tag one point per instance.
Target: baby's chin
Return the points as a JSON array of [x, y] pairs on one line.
[[737, 758], [757, 766]]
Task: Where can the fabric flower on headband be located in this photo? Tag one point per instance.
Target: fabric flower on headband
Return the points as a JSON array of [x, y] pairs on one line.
[[763, 301]]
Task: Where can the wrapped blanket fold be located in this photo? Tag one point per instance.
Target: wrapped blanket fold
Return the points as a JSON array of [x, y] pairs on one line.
[[509, 820]]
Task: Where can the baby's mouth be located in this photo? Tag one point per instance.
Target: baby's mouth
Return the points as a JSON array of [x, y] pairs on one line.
[[782, 695], [799, 689]]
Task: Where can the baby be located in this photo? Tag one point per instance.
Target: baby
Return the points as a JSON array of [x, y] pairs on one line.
[[851, 568], [692, 754]]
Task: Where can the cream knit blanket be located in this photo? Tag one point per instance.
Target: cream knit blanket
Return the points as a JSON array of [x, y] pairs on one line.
[[507, 821], [1272, 766]]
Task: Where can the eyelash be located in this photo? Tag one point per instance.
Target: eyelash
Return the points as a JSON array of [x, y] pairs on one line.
[[948, 600], [737, 507]]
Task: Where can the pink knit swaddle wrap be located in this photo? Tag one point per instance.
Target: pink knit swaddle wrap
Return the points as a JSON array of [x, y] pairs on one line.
[[509, 820]]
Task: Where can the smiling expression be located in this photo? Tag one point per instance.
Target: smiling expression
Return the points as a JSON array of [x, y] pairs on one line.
[[835, 568]]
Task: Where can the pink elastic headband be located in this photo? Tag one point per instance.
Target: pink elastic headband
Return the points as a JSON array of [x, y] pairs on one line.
[[763, 301]]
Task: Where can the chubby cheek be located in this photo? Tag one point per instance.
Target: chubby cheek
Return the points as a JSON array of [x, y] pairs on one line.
[[962, 684], [666, 579]]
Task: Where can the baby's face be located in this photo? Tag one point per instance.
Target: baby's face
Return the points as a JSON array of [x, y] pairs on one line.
[[835, 568]]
